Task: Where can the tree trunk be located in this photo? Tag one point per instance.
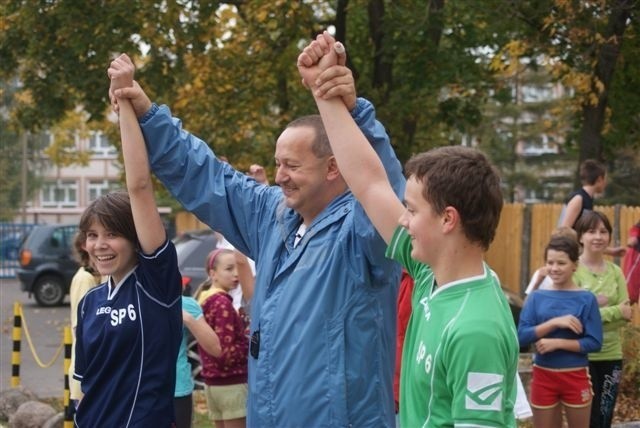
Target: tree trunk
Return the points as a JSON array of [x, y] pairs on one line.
[[594, 115], [382, 63]]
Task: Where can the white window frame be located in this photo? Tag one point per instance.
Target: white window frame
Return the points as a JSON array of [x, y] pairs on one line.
[[100, 145], [99, 188], [61, 193]]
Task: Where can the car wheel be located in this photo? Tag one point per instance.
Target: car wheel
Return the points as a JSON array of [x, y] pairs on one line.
[[196, 366], [49, 290]]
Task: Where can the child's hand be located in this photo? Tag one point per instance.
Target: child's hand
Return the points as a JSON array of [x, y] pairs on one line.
[[570, 322], [625, 308], [319, 55], [258, 173], [602, 300], [546, 345], [121, 72]]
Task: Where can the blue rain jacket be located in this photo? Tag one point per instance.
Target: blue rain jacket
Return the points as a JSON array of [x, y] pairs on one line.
[[326, 309]]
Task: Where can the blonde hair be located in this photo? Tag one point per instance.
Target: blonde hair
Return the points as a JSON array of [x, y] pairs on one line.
[[566, 231]]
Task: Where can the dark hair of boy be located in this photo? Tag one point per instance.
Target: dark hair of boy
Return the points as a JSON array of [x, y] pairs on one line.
[[566, 245], [465, 179], [591, 170]]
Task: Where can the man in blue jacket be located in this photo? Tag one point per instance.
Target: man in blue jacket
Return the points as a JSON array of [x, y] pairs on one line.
[[323, 310]]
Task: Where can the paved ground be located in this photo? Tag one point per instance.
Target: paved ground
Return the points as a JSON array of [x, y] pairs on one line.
[[46, 328]]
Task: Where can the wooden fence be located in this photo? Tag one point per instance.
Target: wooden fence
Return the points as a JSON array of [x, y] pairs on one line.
[[523, 232]]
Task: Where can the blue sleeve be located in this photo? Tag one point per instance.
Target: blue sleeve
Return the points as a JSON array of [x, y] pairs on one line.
[[374, 246], [191, 306], [528, 321], [365, 117], [591, 341], [223, 198]]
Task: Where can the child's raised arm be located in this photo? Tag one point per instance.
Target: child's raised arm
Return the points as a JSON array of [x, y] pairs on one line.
[[149, 227], [359, 164]]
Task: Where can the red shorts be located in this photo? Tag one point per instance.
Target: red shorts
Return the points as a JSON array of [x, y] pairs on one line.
[[571, 387]]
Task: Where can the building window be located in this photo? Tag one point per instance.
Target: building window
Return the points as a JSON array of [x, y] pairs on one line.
[[100, 146], [59, 194], [97, 188]]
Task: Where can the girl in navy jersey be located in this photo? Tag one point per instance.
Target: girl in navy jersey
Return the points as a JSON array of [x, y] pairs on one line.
[[129, 328], [564, 323], [226, 375]]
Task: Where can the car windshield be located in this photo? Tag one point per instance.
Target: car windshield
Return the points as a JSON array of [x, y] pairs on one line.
[[193, 249]]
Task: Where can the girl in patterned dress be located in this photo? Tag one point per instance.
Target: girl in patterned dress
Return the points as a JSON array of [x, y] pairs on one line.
[[225, 376]]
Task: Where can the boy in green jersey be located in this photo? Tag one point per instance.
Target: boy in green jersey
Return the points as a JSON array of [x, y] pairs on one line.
[[461, 352]]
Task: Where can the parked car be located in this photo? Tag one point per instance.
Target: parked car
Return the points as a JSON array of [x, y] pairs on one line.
[[47, 264], [10, 245], [193, 247]]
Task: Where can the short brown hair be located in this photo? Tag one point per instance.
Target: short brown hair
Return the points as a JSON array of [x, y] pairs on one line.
[[591, 170], [113, 211], [589, 220], [321, 147], [566, 244], [465, 179]]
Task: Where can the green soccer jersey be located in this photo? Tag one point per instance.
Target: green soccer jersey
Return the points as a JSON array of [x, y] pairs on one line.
[[460, 355]]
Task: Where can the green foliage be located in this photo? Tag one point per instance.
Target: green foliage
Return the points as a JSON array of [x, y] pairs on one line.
[[16, 151], [630, 383], [437, 71]]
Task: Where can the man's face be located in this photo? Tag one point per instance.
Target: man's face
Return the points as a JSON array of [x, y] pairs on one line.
[[301, 175]]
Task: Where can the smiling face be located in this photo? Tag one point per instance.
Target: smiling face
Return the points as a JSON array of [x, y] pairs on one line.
[[111, 253], [595, 239], [300, 173], [421, 222], [560, 268], [224, 273]]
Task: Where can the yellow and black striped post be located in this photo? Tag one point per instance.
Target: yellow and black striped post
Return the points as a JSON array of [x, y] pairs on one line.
[[15, 354], [68, 411]]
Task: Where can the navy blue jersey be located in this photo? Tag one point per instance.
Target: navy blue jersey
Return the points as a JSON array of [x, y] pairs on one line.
[[127, 342]]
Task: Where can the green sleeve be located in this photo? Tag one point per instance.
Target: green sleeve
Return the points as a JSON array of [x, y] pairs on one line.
[[611, 314]]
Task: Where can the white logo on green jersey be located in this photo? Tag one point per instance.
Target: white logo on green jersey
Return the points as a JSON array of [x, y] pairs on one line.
[[425, 304], [422, 355], [484, 391]]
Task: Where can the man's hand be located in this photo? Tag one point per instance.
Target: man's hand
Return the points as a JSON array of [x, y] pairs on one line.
[[141, 103], [337, 81]]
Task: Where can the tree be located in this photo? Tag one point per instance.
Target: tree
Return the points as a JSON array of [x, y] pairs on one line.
[[227, 68], [586, 41]]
